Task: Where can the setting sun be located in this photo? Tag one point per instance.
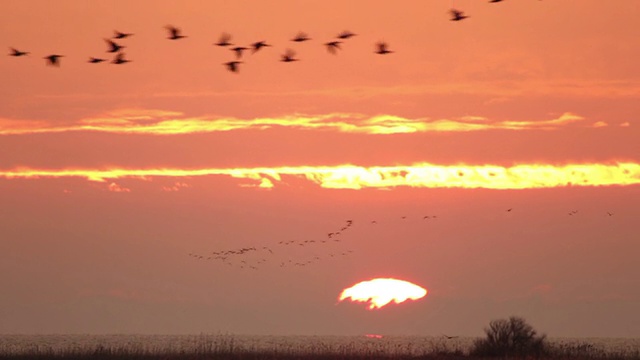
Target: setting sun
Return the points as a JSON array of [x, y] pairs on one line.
[[380, 292]]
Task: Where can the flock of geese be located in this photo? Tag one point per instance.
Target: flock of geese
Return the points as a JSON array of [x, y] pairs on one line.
[[241, 257], [115, 47], [332, 247]]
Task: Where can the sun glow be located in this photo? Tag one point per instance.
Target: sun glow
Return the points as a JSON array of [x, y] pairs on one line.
[[422, 175], [382, 291]]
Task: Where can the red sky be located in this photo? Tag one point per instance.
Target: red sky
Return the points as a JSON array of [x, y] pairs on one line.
[[111, 175]]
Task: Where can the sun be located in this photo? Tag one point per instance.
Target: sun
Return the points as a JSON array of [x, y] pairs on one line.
[[382, 291]]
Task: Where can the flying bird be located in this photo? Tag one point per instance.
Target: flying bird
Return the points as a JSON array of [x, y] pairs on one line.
[[258, 45], [332, 46], [288, 56], [232, 65], [345, 35], [457, 15], [120, 35], [300, 37], [113, 46], [119, 59], [53, 60], [94, 60], [16, 52], [174, 33], [224, 40], [382, 48], [238, 50], [494, 1]]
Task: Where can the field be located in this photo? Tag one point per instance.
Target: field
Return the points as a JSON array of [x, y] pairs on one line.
[[313, 348]]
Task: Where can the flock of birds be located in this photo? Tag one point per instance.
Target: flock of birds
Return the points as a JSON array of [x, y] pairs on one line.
[[240, 257], [254, 257], [175, 33]]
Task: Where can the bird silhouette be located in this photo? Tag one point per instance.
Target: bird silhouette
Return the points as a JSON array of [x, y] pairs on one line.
[[16, 52], [119, 59], [345, 35], [300, 37], [238, 50], [494, 1], [609, 213], [120, 35], [232, 65], [288, 56], [332, 46], [113, 46], [94, 60], [457, 15], [224, 40], [258, 45], [382, 48], [53, 60], [174, 33]]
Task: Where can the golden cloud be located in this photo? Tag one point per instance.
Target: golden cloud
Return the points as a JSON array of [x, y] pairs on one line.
[[161, 122], [422, 175]]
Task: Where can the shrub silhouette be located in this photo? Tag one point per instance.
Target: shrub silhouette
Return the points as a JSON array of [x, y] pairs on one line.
[[512, 337]]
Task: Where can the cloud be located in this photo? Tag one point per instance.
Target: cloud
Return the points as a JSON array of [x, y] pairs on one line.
[[421, 175], [113, 187], [163, 122], [176, 187], [599, 124]]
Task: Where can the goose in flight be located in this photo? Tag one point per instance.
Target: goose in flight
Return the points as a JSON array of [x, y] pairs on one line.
[[232, 65], [289, 56], [300, 37], [258, 45], [119, 59], [332, 46], [16, 52], [345, 35], [53, 60], [95, 60], [113, 46], [238, 50], [120, 35], [457, 15], [382, 48], [174, 33], [225, 40]]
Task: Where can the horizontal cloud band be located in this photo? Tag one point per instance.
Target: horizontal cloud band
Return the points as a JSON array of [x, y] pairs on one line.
[[161, 122], [423, 175]]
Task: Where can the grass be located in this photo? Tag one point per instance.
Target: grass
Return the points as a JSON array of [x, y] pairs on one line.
[[228, 348]]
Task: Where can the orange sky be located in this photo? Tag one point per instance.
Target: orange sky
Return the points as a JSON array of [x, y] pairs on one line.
[[111, 175]]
